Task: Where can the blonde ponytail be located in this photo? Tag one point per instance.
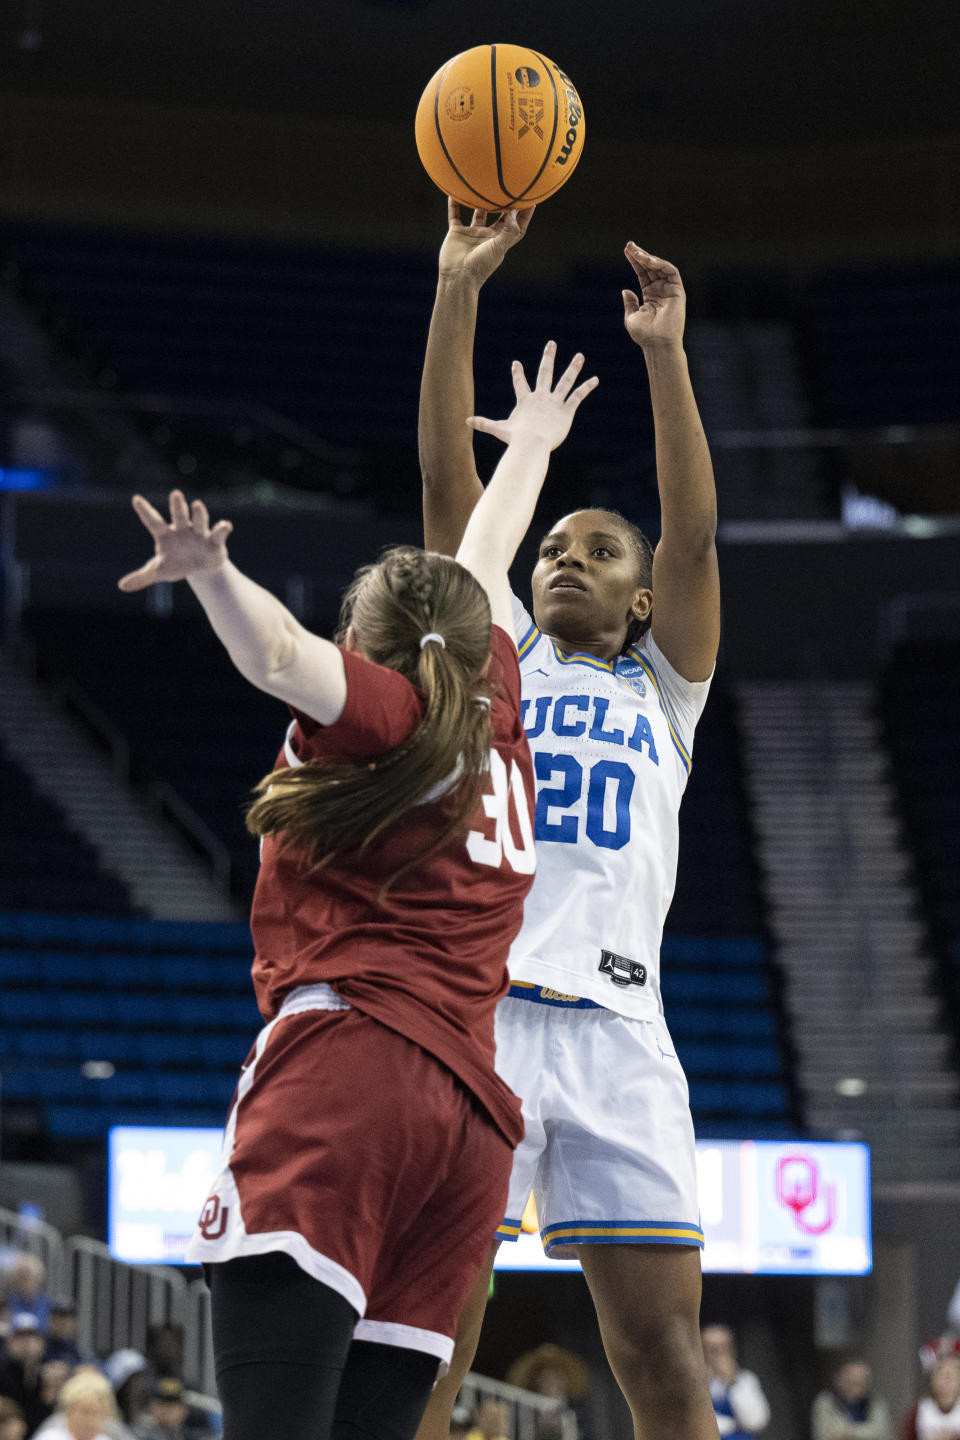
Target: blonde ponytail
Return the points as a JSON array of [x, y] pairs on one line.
[[331, 810]]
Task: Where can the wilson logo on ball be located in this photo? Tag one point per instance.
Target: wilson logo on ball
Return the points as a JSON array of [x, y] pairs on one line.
[[525, 135], [574, 115]]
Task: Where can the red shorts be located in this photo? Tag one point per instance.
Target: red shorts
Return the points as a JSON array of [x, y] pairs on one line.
[[362, 1157]]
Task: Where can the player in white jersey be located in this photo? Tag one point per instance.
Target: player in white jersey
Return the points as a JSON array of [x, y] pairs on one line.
[[616, 662]]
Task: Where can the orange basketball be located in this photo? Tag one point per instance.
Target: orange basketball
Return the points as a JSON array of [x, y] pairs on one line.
[[499, 127]]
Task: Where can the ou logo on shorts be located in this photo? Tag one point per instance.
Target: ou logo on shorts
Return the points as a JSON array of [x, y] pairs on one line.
[[497, 806], [213, 1219]]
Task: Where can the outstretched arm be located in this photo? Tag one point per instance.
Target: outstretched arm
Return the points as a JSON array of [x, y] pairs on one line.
[[267, 644], [686, 582], [539, 422], [451, 485]]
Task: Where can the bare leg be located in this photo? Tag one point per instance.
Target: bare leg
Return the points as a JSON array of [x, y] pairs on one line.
[[648, 1305], [435, 1424]]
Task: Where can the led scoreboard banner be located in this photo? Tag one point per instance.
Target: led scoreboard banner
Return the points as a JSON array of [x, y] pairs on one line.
[[766, 1206]]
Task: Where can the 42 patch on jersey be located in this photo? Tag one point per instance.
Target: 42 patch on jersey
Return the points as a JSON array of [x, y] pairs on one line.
[[621, 970]]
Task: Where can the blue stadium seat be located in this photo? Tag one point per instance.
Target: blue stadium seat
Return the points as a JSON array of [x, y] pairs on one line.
[[217, 1012], [694, 1021], [192, 972], [735, 951], [120, 1046], [80, 1007], [126, 972], [146, 1009], [202, 1087], [164, 1048], [738, 1097], [28, 1007], [30, 1043], [62, 968], [706, 1058], [92, 1122], [220, 1051], [17, 967], [728, 987]]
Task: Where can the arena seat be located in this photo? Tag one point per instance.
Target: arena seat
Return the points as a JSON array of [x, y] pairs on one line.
[[204, 730], [920, 702], [37, 844], [170, 1005]]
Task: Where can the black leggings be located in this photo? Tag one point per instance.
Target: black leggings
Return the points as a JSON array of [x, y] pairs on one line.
[[288, 1367]]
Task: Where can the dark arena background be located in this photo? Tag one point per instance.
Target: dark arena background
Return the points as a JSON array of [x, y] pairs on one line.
[[217, 262]]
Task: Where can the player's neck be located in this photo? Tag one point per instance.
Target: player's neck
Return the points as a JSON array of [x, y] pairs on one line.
[[602, 647]]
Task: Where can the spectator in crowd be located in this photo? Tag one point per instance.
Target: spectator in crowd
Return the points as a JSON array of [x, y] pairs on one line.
[[54, 1374], [849, 1410], [168, 1416], [12, 1424], [937, 1415], [552, 1371], [62, 1333], [25, 1292], [164, 1350], [127, 1372], [738, 1401], [85, 1410], [936, 1348], [493, 1422], [21, 1377], [461, 1422], [953, 1309]]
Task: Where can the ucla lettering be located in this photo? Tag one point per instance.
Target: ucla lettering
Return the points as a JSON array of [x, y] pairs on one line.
[[643, 736], [540, 720], [574, 716], [597, 732], [561, 726]]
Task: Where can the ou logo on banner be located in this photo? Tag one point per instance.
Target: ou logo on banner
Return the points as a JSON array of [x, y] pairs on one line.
[[496, 804], [798, 1189]]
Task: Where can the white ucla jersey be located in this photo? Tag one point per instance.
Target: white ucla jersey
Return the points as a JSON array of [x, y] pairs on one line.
[[611, 744]]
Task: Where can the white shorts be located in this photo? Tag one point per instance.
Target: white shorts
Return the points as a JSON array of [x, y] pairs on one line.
[[609, 1150]]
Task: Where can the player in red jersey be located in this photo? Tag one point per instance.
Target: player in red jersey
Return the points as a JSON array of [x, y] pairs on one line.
[[369, 1145]]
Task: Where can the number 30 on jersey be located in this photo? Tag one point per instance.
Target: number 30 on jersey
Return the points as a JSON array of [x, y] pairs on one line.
[[506, 805]]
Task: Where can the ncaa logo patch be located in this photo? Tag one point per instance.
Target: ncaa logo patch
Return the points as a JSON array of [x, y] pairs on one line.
[[632, 676]]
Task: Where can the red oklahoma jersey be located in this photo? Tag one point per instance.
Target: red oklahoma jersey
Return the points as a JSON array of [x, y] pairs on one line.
[[430, 960]]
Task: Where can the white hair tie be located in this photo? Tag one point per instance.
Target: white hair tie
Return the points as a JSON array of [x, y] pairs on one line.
[[432, 635]]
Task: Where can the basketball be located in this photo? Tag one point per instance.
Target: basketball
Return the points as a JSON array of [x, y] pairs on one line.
[[499, 127]]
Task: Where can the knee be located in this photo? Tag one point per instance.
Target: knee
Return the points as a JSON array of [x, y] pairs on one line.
[[658, 1360]]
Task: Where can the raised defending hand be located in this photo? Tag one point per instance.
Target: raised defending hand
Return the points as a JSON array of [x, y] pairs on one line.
[[187, 546], [659, 320], [476, 250], [546, 412]]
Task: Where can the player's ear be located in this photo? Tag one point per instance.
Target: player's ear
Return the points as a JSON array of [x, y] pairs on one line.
[[641, 604]]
